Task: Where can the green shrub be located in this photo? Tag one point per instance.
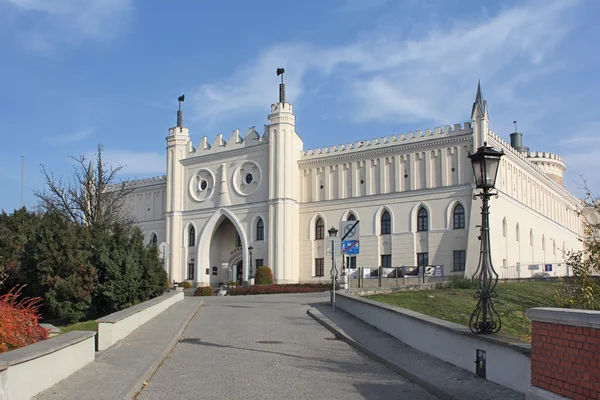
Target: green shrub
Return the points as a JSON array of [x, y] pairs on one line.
[[264, 276], [186, 285], [461, 282], [203, 291]]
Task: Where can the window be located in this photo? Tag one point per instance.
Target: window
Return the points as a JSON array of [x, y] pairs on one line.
[[320, 229], [238, 240], [518, 233], [154, 239], [352, 262], [543, 243], [259, 262], [459, 217], [215, 271], [249, 178], [386, 261], [319, 266], [260, 230], [190, 271], [459, 260], [351, 217], [422, 220], [504, 227], [422, 259], [386, 223], [192, 237], [531, 237]]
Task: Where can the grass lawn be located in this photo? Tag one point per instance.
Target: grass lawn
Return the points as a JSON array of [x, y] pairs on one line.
[[91, 325], [456, 305]]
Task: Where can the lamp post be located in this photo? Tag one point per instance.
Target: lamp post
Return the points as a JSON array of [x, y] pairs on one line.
[[334, 274], [251, 269], [485, 319]]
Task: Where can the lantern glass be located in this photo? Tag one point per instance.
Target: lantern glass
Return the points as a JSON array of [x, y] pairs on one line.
[[485, 166], [332, 232]]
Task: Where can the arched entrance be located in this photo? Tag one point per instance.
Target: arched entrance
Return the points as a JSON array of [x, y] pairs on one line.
[[221, 238]]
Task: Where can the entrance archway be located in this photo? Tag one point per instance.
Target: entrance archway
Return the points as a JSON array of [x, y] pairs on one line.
[[217, 242]]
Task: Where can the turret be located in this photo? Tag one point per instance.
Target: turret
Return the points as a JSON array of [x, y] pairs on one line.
[[480, 119]]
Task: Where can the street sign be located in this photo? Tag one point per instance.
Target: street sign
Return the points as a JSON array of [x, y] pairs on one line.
[[548, 268], [349, 230], [337, 244], [351, 247], [163, 250]]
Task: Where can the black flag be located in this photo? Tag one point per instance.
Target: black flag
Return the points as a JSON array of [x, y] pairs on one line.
[[181, 98], [280, 71]]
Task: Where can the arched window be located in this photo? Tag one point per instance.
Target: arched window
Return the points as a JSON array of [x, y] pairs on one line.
[[260, 230], [154, 239], [531, 237], [543, 242], [386, 223], [504, 227], [320, 229], [192, 237], [422, 220], [351, 217], [517, 233], [459, 217]]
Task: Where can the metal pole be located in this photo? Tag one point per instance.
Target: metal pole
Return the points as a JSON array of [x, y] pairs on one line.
[[485, 319], [333, 273], [22, 178], [396, 273]]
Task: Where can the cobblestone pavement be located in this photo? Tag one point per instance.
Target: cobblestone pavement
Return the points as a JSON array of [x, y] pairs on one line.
[[222, 357]]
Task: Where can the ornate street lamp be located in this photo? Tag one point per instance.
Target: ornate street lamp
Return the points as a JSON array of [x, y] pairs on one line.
[[334, 273], [485, 319], [252, 270]]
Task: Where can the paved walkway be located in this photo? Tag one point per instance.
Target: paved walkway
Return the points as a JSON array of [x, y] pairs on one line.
[[439, 377], [118, 372], [267, 347]]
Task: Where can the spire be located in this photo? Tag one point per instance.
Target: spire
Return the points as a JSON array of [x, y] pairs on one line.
[[281, 71], [180, 99], [480, 105]]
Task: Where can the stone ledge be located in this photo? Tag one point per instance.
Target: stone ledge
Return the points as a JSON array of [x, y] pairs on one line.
[[43, 348], [537, 393], [128, 312], [565, 316], [517, 345], [3, 366]]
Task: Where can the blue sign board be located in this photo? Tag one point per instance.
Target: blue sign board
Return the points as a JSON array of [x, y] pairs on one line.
[[351, 247], [548, 268]]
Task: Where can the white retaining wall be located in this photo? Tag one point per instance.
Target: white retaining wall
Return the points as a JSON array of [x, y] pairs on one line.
[[30, 370], [116, 326], [508, 361]]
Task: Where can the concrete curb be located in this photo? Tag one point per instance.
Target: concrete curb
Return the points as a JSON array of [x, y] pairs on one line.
[[136, 387], [341, 335]]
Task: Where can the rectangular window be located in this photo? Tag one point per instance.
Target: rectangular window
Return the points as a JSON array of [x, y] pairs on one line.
[[319, 267], [190, 271], [352, 262], [459, 260], [386, 261], [260, 262], [422, 259]]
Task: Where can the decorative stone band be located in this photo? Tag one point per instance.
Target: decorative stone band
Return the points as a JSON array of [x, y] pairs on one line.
[[565, 353]]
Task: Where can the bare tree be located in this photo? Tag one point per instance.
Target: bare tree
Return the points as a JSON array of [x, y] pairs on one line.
[[92, 196]]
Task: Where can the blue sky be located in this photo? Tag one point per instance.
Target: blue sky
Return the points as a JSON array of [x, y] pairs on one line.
[[75, 73]]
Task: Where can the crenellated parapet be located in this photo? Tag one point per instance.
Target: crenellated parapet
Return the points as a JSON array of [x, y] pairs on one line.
[[147, 181], [235, 141], [393, 140], [548, 166]]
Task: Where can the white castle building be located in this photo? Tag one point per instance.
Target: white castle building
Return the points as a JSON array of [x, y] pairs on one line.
[[412, 193]]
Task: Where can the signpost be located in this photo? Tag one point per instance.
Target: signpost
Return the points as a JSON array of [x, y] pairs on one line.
[[350, 245]]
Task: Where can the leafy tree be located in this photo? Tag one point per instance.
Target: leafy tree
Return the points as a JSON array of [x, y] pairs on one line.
[[583, 290]]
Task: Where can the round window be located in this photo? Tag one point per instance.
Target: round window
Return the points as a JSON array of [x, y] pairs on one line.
[[249, 178], [203, 185]]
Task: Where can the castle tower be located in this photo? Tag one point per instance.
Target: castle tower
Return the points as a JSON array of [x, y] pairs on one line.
[[551, 164], [480, 119], [285, 147], [177, 144]]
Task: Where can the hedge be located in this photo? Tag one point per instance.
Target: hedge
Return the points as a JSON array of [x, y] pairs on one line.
[[274, 289]]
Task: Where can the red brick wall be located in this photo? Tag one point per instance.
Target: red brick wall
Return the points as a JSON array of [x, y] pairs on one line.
[[566, 360]]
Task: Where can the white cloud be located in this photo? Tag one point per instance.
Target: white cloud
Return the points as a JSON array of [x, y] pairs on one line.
[[389, 77], [71, 137], [68, 21]]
